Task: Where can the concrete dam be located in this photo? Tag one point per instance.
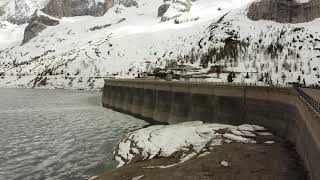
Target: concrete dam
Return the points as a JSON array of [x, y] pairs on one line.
[[282, 110]]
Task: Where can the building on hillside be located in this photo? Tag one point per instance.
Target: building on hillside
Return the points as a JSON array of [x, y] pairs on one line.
[[217, 69], [183, 69]]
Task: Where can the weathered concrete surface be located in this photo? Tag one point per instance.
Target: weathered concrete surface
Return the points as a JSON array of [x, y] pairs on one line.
[[281, 110]]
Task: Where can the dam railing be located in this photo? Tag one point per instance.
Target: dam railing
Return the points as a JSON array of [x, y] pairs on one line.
[[240, 84], [314, 103]]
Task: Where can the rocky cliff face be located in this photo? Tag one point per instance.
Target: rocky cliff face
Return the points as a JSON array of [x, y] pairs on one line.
[[37, 24], [64, 8], [127, 3], [20, 12], [285, 11], [69, 8], [172, 9]]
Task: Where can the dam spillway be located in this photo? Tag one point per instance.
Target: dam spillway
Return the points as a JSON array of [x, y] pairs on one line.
[[281, 110]]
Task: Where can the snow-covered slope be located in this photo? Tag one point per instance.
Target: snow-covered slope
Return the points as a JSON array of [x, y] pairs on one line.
[[118, 43], [273, 52], [10, 34], [19, 11], [76, 52]]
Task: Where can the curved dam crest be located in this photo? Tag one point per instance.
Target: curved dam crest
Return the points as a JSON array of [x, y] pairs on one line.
[[281, 110]]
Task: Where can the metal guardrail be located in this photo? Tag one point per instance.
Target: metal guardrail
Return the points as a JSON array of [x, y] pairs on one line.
[[251, 84], [314, 103]]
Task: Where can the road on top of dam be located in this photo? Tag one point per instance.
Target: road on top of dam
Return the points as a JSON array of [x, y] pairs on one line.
[[314, 93]]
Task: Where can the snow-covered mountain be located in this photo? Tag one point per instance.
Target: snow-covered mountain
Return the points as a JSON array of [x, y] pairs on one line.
[[19, 11], [274, 52], [285, 11], [202, 33]]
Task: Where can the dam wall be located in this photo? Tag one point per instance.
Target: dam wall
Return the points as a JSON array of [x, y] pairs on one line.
[[281, 110]]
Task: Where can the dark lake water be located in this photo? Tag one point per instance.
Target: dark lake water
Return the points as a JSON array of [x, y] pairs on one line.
[[58, 134]]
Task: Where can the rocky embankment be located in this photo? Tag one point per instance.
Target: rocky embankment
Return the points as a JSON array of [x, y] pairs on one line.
[[285, 11], [194, 150]]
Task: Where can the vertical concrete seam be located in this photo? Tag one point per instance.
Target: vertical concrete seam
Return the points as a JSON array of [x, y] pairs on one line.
[[245, 105]]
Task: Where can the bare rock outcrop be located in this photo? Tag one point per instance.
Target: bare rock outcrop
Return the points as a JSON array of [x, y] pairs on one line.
[[163, 9], [17, 12], [21, 11], [176, 8], [128, 3], [37, 24], [285, 11], [63, 8], [69, 8]]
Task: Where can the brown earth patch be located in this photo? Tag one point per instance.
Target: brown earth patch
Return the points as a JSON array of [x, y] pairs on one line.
[[277, 161]]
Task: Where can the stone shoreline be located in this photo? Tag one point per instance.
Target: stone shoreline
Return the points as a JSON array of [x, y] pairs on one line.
[[195, 150], [245, 162]]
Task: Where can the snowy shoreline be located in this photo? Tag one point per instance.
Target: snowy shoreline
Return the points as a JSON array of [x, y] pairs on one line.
[[185, 141], [195, 150]]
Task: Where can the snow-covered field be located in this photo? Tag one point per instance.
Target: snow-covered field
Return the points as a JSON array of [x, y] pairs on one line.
[[79, 49], [191, 139]]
